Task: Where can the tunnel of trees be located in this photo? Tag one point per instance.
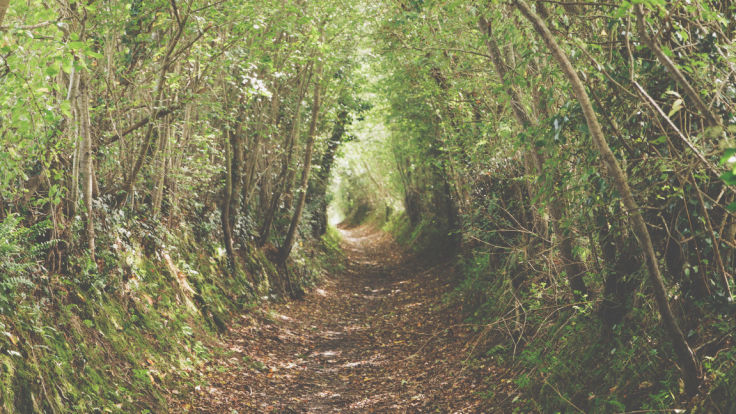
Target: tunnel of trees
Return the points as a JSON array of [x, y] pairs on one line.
[[577, 159]]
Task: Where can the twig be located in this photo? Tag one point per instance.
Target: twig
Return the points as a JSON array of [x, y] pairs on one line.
[[578, 3], [713, 169], [29, 27], [563, 398]]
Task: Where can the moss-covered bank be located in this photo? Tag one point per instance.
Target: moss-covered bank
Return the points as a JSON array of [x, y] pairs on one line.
[[112, 340]]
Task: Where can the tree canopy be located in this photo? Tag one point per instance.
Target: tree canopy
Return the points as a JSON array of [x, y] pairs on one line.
[[577, 158]]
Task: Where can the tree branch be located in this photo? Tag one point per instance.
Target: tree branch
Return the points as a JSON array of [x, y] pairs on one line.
[[141, 123]]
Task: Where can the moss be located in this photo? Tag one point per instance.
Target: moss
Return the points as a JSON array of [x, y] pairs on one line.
[[7, 375], [114, 349]]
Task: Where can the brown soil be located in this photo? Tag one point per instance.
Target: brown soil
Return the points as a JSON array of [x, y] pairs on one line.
[[376, 338]]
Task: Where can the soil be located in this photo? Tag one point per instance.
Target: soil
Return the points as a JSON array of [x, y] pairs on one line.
[[374, 338]]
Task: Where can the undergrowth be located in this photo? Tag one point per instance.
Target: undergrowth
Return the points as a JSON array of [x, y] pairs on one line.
[[560, 356], [112, 335], [427, 238], [557, 353]]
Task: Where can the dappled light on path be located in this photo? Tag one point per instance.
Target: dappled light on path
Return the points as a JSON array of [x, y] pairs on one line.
[[375, 338]]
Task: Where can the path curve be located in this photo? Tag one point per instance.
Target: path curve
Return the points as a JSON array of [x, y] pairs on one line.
[[375, 338]]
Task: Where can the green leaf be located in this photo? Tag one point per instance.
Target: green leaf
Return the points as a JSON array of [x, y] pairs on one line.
[[660, 140], [729, 178], [66, 108], [95, 55], [67, 64], [52, 70], [76, 45], [727, 153], [676, 106]]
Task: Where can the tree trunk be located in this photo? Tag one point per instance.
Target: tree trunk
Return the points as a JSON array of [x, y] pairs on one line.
[[250, 163], [73, 97], [688, 364], [155, 111], [174, 160], [237, 154], [4, 4], [318, 186], [280, 183], [574, 270], [296, 218], [87, 163], [161, 161], [227, 230]]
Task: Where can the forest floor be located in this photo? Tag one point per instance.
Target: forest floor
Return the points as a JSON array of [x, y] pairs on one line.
[[375, 338]]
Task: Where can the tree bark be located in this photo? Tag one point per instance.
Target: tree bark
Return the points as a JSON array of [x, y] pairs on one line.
[[87, 163], [690, 369], [227, 231], [4, 5]]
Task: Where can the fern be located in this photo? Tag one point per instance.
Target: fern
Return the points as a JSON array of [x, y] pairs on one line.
[[15, 281], [19, 257]]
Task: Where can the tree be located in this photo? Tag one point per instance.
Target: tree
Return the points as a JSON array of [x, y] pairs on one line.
[[304, 181], [573, 268], [686, 357]]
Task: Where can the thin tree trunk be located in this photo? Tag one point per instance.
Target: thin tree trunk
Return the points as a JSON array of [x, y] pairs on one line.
[[276, 196], [259, 171], [714, 239], [574, 270], [289, 189], [87, 163], [296, 218], [318, 186], [227, 231], [237, 153], [160, 86], [73, 96], [164, 137], [280, 183], [250, 168], [686, 358], [4, 5], [672, 70], [174, 159]]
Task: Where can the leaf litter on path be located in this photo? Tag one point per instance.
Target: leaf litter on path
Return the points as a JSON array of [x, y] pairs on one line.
[[375, 338]]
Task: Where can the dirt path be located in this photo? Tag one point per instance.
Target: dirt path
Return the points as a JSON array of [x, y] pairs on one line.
[[376, 338]]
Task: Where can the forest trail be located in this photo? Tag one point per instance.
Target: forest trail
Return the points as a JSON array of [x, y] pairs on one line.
[[374, 338]]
